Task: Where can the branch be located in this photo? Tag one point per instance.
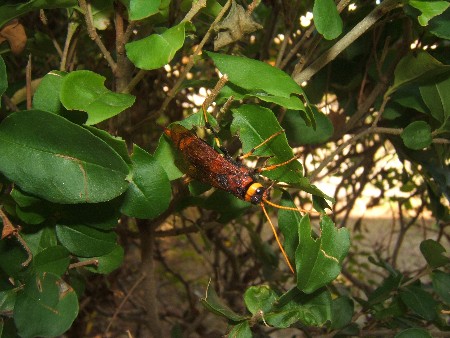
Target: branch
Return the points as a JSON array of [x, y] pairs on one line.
[[346, 40], [94, 36]]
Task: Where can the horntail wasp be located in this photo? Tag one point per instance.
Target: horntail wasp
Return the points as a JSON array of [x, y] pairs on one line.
[[221, 171]]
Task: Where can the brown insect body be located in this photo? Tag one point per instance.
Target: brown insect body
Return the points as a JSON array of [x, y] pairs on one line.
[[206, 165]]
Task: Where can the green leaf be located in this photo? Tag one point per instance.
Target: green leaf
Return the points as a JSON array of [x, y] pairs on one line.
[[156, 50], [149, 192], [141, 9], [298, 132], [241, 330], [318, 261], [7, 302], [84, 241], [15, 9], [341, 312], [416, 67], [441, 285], [3, 78], [106, 263], [434, 253], [226, 204], [259, 298], [46, 97], [213, 303], [54, 259], [287, 220], [84, 90], [429, 9], [417, 135], [46, 307], [436, 98], [166, 156], [260, 79], [295, 306], [48, 156], [41, 239], [384, 291], [439, 26], [102, 11], [327, 19], [413, 333], [255, 124], [420, 302], [115, 142]]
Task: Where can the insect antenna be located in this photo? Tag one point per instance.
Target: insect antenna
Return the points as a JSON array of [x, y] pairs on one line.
[[277, 238]]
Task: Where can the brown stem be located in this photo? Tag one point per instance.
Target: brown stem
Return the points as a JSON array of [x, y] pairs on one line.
[[365, 24], [94, 36], [149, 287]]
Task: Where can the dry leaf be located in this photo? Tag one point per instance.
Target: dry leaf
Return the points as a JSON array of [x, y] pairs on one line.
[[14, 33], [233, 28]]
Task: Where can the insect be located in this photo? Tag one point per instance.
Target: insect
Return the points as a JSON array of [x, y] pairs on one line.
[[221, 171]]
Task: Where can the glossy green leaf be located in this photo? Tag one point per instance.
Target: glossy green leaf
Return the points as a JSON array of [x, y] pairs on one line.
[[54, 259], [45, 307], [318, 261], [39, 240], [384, 291], [436, 98], [3, 78], [287, 221], [47, 94], [441, 285], [429, 9], [102, 11], [213, 303], [13, 10], [419, 301], [141, 9], [156, 50], [106, 263], [439, 26], [300, 134], [7, 302], [228, 206], [341, 312], [149, 192], [85, 241], [81, 169], [115, 142], [327, 19], [407, 96], [241, 330], [416, 67], [85, 90], [260, 79], [255, 124], [259, 298], [413, 332], [434, 253], [295, 306], [417, 135], [166, 156]]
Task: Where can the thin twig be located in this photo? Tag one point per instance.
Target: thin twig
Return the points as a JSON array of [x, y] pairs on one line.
[[119, 308], [186, 70], [94, 36], [93, 261], [28, 83], [366, 23]]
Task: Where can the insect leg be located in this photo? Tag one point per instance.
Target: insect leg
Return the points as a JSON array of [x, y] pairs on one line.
[[274, 166], [250, 153]]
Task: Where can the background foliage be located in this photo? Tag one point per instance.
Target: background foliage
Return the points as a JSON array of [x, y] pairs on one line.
[[102, 234]]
